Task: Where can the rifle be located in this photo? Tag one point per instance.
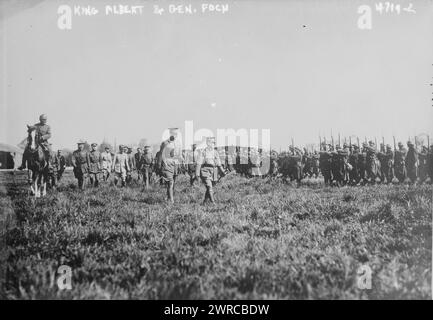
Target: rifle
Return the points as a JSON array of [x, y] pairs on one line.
[[293, 145], [428, 142], [350, 144], [357, 139], [395, 149], [320, 143], [339, 141], [383, 143], [375, 143]]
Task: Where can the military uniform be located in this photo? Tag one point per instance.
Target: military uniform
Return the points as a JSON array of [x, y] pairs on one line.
[[325, 162], [168, 162], [42, 134], [120, 167], [61, 166], [53, 170], [106, 164], [372, 164], [400, 163], [423, 164], [208, 167], [412, 163], [362, 165], [146, 164], [354, 162], [191, 161], [80, 162], [94, 161]]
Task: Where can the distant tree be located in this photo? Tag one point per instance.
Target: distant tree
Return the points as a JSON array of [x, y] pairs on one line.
[[67, 153]]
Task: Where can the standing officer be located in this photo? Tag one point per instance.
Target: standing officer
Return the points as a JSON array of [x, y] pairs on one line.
[[208, 165], [137, 159], [80, 163], [94, 160], [131, 163], [120, 166], [43, 133], [192, 164], [61, 164], [168, 162], [146, 164], [106, 162]]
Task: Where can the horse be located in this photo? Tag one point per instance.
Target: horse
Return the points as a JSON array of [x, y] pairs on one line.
[[37, 164]]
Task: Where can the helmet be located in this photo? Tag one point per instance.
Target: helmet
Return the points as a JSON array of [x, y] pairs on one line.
[[43, 117]]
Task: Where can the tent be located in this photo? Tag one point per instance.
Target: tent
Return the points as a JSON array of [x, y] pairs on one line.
[[10, 156]]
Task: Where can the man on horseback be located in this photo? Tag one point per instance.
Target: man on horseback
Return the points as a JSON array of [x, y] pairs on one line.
[[43, 133]]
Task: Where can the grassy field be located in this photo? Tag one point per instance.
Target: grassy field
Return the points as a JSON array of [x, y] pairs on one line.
[[263, 240]]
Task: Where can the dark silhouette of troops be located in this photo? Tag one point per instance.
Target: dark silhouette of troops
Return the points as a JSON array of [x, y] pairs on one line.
[[353, 160], [430, 164], [137, 159], [339, 163], [208, 167], [168, 162], [362, 164], [80, 163], [43, 133], [94, 162], [412, 162], [372, 164], [325, 161], [61, 161], [400, 163], [315, 164], [120, 166], [255, 163], [423, 164], [229, 159], [146, 166], [106, 163], [386, 159]]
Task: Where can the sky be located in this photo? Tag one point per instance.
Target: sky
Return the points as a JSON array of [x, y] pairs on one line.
[[297, 68]]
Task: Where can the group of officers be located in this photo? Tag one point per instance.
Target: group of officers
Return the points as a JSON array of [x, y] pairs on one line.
[[349, 164]]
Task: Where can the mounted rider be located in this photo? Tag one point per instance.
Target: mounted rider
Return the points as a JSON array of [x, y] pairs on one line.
[[43, 133]]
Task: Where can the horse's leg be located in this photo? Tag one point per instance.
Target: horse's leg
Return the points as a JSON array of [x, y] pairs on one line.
[[44, 185], [36, 186]]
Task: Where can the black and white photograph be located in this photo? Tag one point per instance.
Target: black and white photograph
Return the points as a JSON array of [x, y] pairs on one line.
[[238, 152]]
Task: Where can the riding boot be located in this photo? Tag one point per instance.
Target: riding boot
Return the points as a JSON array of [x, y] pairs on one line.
[[170, 192], [211, 197]]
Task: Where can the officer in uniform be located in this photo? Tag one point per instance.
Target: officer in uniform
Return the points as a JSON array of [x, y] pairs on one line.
[[80, 163], [208, 166], [137, 158], [131, 163], [325, 162], [423, 164], [412, 162], [43, 133], [400, 163], [353, 161], [168, 162], [61, 164], [120, 166], [192, 163], [94, 160], [146, 164], [106, 162]]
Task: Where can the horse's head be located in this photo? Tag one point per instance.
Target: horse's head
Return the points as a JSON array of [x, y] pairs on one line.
[[32, 140]]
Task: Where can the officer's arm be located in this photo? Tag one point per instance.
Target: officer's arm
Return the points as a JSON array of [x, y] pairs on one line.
[[73, 161], [47, 135]]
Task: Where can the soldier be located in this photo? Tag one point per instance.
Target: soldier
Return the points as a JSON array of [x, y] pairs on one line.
[[146, 165], [430, 164], [106, 163], [131, 163], [80, 163], [43, 133], [168, 162], [387, 164], [229, 159], [325, 162], [273, 166], [354, 162], [315, 164], [400, 163], [61, 165], [192, 164], [53, 169], [208, 166], [372, 164], [255, 163], [362, 164], [412, 162], [94, 160], [137, 158], [423, 164], [120, 166]]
